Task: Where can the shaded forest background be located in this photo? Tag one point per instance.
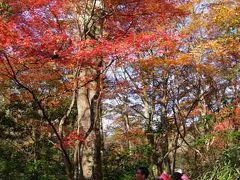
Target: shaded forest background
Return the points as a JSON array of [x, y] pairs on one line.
[[93, 89]]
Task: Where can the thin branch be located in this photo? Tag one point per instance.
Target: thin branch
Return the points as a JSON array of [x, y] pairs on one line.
[[183, 138]]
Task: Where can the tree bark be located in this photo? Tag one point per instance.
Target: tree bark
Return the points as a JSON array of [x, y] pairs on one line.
[[87, 156], [84, 152]]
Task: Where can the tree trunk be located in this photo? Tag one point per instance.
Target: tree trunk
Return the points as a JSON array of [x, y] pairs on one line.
[[98, 144], [166, 163], [127, 125], [149, 131], [87, 156], [97, 129], [175, 153], [84, 152], [36, 135]]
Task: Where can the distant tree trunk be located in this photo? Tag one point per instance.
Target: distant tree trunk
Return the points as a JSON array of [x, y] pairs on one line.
[[149, 130], [127, 125], [166, 163], [175, 154], [148, 116], [36, 136]]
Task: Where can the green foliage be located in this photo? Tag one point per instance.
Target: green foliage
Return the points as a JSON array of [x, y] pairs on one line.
[[207, 118], [17, 161], [122, 165], [235, 135], [227, 167], [11, 162], [5, 9], [45, 170], [18, 164], [203, 139]]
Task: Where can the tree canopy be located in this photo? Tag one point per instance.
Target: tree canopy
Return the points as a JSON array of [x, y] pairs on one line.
[[93, 89]]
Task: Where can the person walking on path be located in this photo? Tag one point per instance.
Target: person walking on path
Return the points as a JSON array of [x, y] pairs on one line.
[[142, 173], [164, 176]]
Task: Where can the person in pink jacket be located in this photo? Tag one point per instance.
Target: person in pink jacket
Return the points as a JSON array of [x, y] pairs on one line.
[[164, 176], [184, 177]]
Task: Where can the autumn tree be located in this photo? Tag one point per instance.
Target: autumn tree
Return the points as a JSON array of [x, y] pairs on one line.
[[64, 43], [164, 73]]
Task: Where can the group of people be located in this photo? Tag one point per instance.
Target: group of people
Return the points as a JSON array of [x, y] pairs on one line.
[[142, 173]]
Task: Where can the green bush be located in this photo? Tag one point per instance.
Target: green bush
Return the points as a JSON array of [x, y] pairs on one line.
[[227, 167]]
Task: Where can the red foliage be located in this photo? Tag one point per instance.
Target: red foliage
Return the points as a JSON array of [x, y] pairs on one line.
[[218, 142], [231, 121], [71, 139], [225, 125], [36, 42]]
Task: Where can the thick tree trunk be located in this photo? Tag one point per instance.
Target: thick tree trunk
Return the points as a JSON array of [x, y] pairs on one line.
[[87, 156], [84, 152]]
